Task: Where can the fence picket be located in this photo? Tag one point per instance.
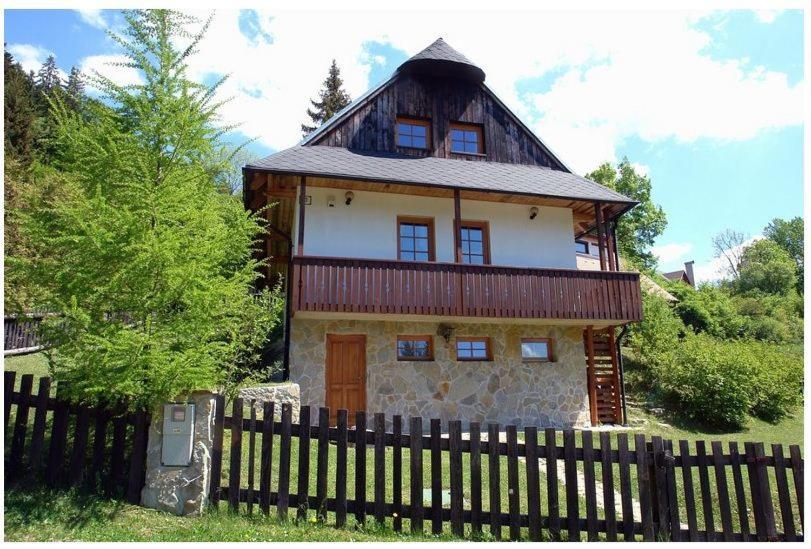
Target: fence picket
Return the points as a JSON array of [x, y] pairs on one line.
[[475, 478], [360, 467], [397, 473], [303, 488], [572, 497], [116, 476], [551, 452], [494, 472], [99, 445], [78, 454], [340, 469], [704, 482], [722, 489], [644, 480], [513, 495], [59, 434], [20, 424], [687, 463], [659, 488], [590, 483], [740, 494], [235, 461], [436, 477], [797, 473], [266, 459], [138, 458], [322, 466], [608, 486], [251, 455], [455, 450], [40, 417], [380, 467], [415, 438], [8, 390], [533, 483], [764, 494], [216, 450], [782, 490], [672, 495], [285, 443]]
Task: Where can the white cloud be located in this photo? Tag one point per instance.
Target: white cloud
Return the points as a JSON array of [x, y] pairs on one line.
[[111, 67], [29, 56], [618, 74], [767, 16], [93, 18], [641, 169], [670, 253], [715, 269]]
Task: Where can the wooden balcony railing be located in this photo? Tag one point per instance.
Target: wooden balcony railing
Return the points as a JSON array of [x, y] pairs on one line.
[[448, 289]]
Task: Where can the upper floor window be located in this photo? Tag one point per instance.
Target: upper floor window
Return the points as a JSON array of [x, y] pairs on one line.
[[475, 243], [413, 133], [415, 238], [466, 138], [581, 246]]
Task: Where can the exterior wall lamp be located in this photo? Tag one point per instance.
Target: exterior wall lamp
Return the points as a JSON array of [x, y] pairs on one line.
[[349, 196], [533, 212]]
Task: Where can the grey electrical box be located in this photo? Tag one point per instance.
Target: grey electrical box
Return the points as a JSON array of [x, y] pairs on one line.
[[178, 434]]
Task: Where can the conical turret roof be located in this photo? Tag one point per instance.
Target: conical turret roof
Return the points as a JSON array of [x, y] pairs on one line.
[[440, 59]]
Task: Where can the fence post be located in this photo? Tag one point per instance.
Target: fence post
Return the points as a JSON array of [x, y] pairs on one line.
[[8, 391], [21, 424], [216, 450], [137, 458], [659, 467], [761, 494], [236, 455]]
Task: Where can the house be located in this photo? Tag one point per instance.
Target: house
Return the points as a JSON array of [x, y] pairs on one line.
[[685, 275], [426, 240]]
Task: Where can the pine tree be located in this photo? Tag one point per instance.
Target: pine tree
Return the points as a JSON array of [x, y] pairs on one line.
[[18, 110], [331, 100], [75, 87], [150, 265], [48, 76]]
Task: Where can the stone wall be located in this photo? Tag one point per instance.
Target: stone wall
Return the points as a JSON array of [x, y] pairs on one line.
[[506, 390], [285, 393]]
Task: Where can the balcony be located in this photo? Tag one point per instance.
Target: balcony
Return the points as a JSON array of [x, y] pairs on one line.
[[329, 284]]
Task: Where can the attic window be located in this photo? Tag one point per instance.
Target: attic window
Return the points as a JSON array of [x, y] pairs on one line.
[[466, 139], [413, 133]]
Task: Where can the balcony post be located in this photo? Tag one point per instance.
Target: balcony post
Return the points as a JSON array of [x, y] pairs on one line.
[[301, 202], [598, 213], [609, 239], [457, 225]]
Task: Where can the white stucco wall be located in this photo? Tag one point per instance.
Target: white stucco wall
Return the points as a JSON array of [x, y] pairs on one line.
[[368, 228]]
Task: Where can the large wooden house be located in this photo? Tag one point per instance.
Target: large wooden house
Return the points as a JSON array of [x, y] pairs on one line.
[[426, 239]]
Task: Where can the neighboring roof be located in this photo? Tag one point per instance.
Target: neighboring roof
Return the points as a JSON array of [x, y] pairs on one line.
[[323, 161], [651, 287], [439, 57]]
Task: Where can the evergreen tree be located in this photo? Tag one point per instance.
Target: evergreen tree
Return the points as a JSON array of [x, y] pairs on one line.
[[331, 100], [48, 76], [75, 87], [148, 262], [18, 110]]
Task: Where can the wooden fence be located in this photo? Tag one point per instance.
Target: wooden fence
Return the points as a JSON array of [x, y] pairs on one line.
[[652, 473], [58, 447], [21, 333]]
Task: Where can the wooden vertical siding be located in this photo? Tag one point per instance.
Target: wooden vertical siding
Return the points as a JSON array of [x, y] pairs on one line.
[[372, 126], [445, 289]]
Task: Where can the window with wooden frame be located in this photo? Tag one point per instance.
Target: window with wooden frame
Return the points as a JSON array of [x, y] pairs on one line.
[[467, 138], [415, 347], [537, 349], [475, 241], [413, 133], [473, 348], [581, 246], [415, 238]]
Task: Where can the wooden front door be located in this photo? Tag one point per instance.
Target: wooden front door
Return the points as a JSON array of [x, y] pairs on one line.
[[346, 374]]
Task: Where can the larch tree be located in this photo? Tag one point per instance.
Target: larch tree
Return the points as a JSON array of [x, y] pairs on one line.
[[331, 99], [149, 263]]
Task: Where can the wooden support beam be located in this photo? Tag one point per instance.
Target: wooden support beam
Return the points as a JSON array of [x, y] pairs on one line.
[[301, 203], [457, 225], [598, 213], [609, 237], [592, 386]]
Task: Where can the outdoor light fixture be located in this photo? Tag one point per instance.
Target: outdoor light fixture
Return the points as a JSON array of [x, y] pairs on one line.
[[331, 201], [349, 196], [533, 212]]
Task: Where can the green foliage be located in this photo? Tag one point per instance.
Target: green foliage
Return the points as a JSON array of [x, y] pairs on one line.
[[707, 309], [332, 98], [148, 261], [637, 230], [658, 333], [777, 383], [768, 268], [789, 236]]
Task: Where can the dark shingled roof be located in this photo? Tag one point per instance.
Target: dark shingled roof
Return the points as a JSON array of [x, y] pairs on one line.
[[323, 161], [440, 58]]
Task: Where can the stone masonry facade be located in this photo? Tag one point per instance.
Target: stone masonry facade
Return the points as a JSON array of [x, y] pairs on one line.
[[505, 390]]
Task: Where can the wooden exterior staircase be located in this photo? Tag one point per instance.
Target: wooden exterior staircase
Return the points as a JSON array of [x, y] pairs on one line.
[[605, 399]]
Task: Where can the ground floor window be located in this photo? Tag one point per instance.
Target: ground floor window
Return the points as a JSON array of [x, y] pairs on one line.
[[415, 347], [536, 349], [473, 348]]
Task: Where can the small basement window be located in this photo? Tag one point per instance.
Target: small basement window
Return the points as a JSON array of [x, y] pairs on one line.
[[473, 348], [413, 133], [581, 246], [536, 349], [466, 139], [415, 347]]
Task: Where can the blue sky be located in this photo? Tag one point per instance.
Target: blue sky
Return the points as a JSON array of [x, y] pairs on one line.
[[709, 104]]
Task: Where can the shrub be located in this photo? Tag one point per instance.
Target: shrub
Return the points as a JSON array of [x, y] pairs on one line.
[[708, 381], [777, 385], [658, 333]]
